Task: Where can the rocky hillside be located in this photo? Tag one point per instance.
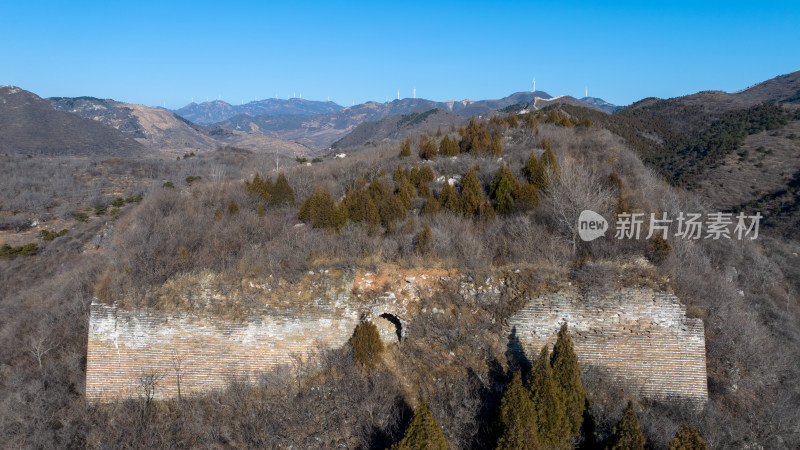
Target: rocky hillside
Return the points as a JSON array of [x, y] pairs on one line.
[[398, 126], [31, 125], [164, 131]]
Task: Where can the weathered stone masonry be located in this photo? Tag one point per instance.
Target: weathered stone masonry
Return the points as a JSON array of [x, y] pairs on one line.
[[639, 337]]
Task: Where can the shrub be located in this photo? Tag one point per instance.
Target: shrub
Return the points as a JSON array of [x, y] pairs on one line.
[[168, 185], [423, 240], [367, 345], [688, 439]]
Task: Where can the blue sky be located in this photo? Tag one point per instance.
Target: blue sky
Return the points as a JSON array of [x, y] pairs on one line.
[[168, 52]]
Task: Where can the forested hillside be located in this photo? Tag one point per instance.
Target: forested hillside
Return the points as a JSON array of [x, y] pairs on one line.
[[491, 196]]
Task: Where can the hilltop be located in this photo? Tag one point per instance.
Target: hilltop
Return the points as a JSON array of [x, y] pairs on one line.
[[31, 125]]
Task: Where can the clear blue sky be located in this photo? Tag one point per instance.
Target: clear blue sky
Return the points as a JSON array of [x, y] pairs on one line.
[[168, 52]]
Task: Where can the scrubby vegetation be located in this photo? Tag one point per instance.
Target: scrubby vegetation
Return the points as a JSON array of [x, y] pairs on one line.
[[508, 199]]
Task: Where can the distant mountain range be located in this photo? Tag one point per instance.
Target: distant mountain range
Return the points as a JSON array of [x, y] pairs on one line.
[[164, 131], [207, 113], [319, 131]]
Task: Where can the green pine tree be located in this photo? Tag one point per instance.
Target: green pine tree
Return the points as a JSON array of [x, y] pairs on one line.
[[471, 193], [321, 211], [628, 433], [517, 418], [553, 427], [496, 144], [548, 159], [504, 190], [449, 147], [367, 345], [431, 206], [476, 138], [448, 198], [391, 209], [528, 197], [688, 439], [422, 242], [282, 193], [423, 432], [567, 374], [487, 212], [405, 192], [427, 148], [405, 148], [531, 169]]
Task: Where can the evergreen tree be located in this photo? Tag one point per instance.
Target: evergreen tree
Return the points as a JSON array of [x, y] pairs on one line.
[[688, 439], [400, 174], [531, 169], [496, 144], [553, 427], [405, 192], [282, 193], [439, 131], [548, 159], [476, 138], [471, 193], [321, 211], [448, 198], [427, 148], [259, 186], [449, 147], [423, 432], [512, 120], [567, 374], [487, 212], [422, 242], [530, 120], [504, 190], [361, 208], [405, 148], [517, 418], [628, 433], [431, 206], [391, 209], [528, 197], [367, 345]]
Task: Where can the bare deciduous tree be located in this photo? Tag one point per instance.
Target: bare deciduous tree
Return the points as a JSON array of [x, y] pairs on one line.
[[575, 188]]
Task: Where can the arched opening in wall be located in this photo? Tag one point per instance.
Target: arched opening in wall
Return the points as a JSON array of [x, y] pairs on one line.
[[390, 327]]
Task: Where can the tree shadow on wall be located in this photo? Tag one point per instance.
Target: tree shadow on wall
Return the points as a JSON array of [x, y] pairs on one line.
[[516, 357]]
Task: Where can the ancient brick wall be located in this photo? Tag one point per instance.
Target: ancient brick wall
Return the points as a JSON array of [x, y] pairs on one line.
[[640, 338], [205, 353]]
